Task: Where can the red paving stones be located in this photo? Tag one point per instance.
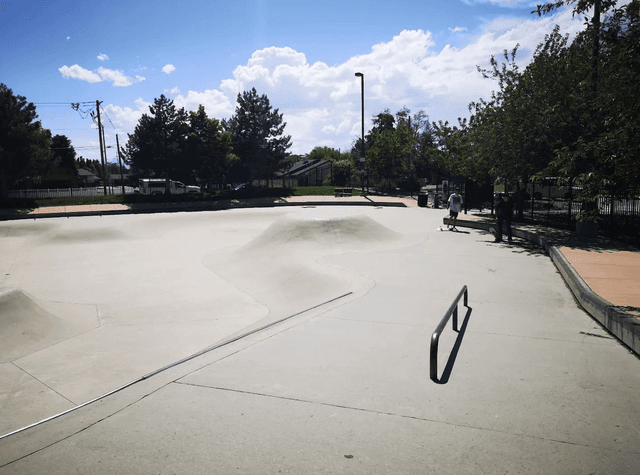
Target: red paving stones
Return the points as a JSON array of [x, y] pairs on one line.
[[614, 275]]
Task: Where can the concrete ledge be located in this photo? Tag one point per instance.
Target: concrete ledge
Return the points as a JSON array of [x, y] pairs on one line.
[[623, 325], [146, 208]]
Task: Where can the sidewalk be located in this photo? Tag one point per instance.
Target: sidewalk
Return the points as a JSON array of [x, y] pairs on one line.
[[340, 384]]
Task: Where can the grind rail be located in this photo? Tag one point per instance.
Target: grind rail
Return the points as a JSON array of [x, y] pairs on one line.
[[453, 310]]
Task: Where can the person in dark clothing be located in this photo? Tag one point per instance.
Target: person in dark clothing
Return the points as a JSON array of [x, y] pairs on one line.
[[504, 210]]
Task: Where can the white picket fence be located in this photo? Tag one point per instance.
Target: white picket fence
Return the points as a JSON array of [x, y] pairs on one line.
[[67, 192]]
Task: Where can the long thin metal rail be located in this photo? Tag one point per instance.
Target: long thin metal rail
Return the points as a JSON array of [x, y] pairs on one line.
[[183, 360], [453, 310]]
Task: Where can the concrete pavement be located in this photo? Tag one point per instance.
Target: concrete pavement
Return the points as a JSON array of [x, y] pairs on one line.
[[533, 384], [604, 275]]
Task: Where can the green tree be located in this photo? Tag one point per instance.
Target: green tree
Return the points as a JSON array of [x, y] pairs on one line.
[[580, 6], [423, 140], [63, 171], [257, 136], [390, 151], [64, 154], [209, 147], [24, 145], [396, 145], [603, 155], [452, 151], [157, 146], [516, 132], [325, 153]]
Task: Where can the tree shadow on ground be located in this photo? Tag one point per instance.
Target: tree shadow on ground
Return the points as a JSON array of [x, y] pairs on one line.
[[519, 246], [597, 244]]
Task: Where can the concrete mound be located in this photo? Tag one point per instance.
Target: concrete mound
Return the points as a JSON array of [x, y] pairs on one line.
[[340, 234], [25, 327], [281, 267]]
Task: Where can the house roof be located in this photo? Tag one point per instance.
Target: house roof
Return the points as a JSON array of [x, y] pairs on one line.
[[305, 166], [83, 172]]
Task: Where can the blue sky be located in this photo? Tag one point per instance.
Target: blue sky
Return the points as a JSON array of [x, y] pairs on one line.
[[303, 55]]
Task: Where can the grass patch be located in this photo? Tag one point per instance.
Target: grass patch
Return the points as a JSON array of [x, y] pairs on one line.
[[319, 190]]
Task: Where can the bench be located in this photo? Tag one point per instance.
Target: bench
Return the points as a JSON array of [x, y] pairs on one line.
[[343, 192]]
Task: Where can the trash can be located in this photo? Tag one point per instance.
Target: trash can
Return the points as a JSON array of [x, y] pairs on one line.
[[423, 199], [436, 201]]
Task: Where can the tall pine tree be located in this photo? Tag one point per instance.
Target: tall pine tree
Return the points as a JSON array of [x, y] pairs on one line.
[[157, 145], [24, 145], [257, 136]]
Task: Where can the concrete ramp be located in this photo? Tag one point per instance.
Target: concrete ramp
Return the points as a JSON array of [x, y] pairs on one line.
[[280, 267], [25, 327], [334, 234]]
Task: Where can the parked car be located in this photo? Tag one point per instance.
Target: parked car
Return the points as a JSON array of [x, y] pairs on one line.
[[158, 186]]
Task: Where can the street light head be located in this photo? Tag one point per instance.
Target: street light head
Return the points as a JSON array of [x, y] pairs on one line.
[[359, 75]]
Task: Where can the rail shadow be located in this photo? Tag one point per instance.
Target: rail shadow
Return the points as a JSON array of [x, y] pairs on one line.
[[448, 369]]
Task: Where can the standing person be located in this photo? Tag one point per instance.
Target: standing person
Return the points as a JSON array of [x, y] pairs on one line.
[[455, 206], [504, 210]]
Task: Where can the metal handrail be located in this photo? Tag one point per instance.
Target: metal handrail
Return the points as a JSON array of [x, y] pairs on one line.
[[453, 310]]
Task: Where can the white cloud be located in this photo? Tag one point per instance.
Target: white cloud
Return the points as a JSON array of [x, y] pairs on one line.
[[140, 78], [457, 29], [77, 72], [126, 118], [116, 77], [175, 90], [216, 103], [168, 69], [103, 57], [321, 103]]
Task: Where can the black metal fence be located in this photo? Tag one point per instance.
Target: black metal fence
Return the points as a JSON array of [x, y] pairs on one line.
[[557, 206]]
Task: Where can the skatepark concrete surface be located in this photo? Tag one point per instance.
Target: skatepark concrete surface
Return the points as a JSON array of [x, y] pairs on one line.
[[296, 339]]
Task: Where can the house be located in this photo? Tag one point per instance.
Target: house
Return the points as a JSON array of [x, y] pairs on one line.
[[87, 178], [117, 179], [309, 172]]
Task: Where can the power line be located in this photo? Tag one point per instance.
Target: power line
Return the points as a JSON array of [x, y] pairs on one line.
[[61, 104], [105, 113], [82, 147]]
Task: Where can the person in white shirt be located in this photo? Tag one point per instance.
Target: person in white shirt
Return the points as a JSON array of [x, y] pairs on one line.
[[455, 206]]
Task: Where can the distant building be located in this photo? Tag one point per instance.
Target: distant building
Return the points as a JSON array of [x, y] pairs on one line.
[[118, 179], [87, 178], [309, 172]]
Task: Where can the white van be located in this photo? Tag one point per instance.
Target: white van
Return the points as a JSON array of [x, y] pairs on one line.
[[157, 186]]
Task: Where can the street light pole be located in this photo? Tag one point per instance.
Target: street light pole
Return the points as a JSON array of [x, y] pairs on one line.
[[362, 159]]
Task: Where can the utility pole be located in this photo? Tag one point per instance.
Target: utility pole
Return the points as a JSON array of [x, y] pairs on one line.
[[100, 133], [362, 158], [596, 47], [120, 162]]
